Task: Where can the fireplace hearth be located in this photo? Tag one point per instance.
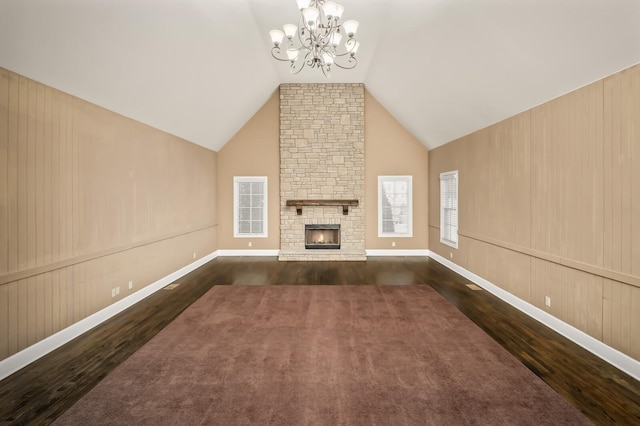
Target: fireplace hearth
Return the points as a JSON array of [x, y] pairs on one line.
[[322, 236]]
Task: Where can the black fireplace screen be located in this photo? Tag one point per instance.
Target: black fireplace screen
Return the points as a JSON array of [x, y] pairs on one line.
[[322, 236]]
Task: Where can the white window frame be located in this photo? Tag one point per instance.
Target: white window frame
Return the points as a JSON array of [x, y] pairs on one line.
[[409, 180], [250, 179], [444, 177]]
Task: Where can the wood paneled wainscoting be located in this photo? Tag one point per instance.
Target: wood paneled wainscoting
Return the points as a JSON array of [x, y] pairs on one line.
[[549, 208], [93, 207]]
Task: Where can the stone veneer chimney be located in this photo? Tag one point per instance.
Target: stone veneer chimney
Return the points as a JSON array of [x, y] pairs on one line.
[[322, 157]]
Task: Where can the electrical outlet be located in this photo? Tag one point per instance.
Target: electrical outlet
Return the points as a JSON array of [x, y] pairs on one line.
[[194, 254], [117, 290], [130, 285], [547, 301], [393, 243], [250, 244], [113, 292], [451, 255]]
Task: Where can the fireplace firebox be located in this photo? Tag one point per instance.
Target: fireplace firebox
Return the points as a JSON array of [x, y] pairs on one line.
[[322, 236]]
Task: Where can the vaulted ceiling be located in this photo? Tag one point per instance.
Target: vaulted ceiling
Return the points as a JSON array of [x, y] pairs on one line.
[[199, 69]]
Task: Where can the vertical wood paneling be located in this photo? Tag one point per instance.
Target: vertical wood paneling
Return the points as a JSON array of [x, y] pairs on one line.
[[611, 129], [67, 185], [23, 173], [567, 175], [38, 184], [54, 183], [621, 314], [69, 296], [584, 205], [622, 317], [498, 172], [576, 296], [507, 269], [12, 173], [4, 321], [31, 235], [40, 285], [12, 323], [47, 239], [64, 297], [77, 205], [622, 178], [56, 302], [75, 135], [66, 177], [78, 283], [31, 325], [47, 291], [634, 142], [4, 173]]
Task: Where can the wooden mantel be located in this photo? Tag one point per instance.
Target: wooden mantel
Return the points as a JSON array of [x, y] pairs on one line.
[[321, 203]]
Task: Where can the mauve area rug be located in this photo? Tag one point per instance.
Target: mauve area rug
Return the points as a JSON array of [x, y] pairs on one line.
[[322, 355]]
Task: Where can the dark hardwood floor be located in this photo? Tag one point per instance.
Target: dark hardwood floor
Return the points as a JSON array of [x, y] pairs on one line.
[[42, 391]]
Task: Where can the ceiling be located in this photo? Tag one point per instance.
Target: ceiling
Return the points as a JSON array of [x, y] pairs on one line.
[[199, 69]]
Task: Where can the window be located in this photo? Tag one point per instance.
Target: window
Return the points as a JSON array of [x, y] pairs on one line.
[[394, 206], [250, 206], [449, 208]]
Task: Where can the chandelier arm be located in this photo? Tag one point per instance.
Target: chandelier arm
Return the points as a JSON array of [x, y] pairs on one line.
[[347, 67], [276, 50], [326, 33], [343, 54], [349, 45], [295, 71], [303, 41], [309, 62], [301, 26], [306, 61]]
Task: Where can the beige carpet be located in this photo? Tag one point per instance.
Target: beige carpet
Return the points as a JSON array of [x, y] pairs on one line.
[[322, 355]]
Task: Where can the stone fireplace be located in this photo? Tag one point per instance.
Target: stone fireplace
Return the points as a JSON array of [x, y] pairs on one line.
[[322, 159]]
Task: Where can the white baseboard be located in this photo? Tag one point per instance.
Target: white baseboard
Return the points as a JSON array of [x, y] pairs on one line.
[[28, 355], [243, 252], [225, 253], [398, 252], [595, 346]]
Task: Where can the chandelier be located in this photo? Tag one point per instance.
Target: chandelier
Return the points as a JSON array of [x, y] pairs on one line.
[[319, 40]]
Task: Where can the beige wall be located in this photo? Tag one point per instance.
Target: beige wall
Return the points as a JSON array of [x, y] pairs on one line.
[[391, 150], [550, 206], [253, 151], [89, 200]]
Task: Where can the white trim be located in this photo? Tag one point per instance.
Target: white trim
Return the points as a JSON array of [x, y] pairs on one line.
[[30, 354], [593, 345], [264, 180], [403, 178], [225, 253], [399, 252]]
